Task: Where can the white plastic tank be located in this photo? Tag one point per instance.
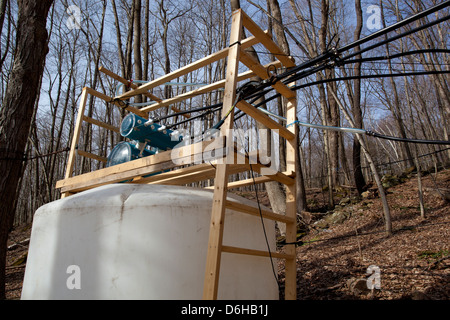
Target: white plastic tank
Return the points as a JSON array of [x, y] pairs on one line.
[[125, 241]]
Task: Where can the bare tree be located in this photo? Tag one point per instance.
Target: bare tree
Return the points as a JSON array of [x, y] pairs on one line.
[[315, 42], [381, 190], [137, 44], [96, 56], [281, 39], [119, 39], [168, 12], [356, 104], [17, 110]]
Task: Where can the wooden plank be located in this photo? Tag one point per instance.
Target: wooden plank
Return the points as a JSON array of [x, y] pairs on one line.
[[66, 194], [120, 104], [249, 182], [126, 82], [267, 41], [261, 117], [163, 161], [91, 156], [160, 161], [277, 176], [213, 258], [285, 178], [135, 86], [101, 124], [202, 90], [209, 172], [76, 133], [180, 176], [255, 212], [259, 253], [181, 173], [244, 183], [187, 69], [259, 70]]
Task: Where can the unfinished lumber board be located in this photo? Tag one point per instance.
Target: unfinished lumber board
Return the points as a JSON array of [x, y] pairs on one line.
[[120, 104], [214, 86], [244, 183], [286, 178], [277, 176], [252, 252], [101, 124], [181, 177], [259, 70], [126, 82], [76, 133], [267, 41], [263, 118], [92, 156], [249, 182], [160, 161], [255, 212], [213, 258], [135, 86], [172, 175], [187, 69]]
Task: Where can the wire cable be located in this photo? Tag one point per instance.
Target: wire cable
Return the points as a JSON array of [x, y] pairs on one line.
[[329, 59], [309, 84], [216, 106], [399, 36], [395, 26], [397, 55], [381, 136], [260, 212], [334, 54]]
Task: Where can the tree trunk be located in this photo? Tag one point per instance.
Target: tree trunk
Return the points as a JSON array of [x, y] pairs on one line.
[[381, 191], [119, 39], [330, 111], [17, 110], [356, 105], [284, 45], [146, 40], [137, 45], [274, 190], [396, 112], [87, 145], [3, 4]]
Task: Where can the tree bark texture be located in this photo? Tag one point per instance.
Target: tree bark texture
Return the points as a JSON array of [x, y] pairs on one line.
[[17, 110], [356, 105]]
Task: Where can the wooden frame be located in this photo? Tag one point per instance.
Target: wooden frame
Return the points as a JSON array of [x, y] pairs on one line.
[[172, 172]]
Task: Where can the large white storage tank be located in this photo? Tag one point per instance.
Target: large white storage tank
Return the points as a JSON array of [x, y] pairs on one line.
[[126, 241]]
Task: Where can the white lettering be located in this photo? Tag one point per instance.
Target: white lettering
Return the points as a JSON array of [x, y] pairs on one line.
[[374, 281], [74, 280], [74, 20], [374, 20]]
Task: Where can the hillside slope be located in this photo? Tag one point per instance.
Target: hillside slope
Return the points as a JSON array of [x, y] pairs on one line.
[[332, 263], [413, 263]]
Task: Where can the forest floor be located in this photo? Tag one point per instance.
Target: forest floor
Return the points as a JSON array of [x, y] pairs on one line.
[[333, 261], [413, 263]]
